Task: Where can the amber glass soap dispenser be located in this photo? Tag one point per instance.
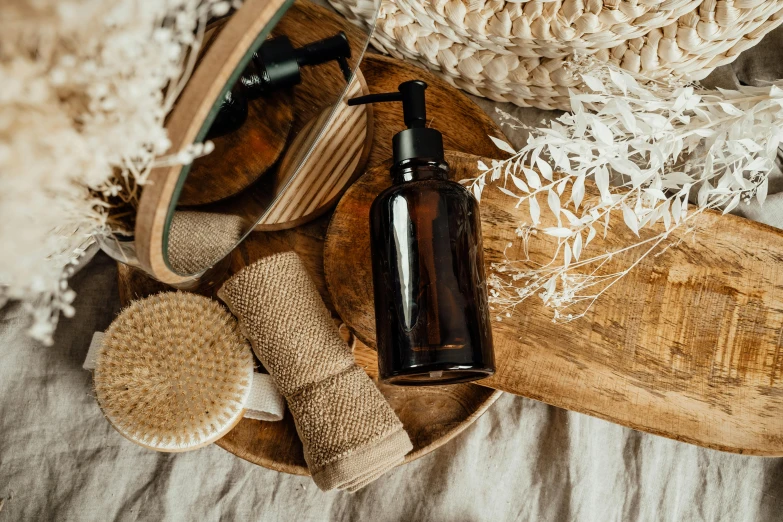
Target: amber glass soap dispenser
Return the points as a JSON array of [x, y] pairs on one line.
[[431, 315]]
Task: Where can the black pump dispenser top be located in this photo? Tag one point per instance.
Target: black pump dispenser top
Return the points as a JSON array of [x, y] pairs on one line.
[[417, 141], [279, 63]]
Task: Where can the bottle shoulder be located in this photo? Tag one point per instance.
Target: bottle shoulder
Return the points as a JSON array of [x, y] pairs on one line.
[[447, 188]]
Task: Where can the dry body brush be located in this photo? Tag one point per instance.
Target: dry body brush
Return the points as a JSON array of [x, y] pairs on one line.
[[174, 372]]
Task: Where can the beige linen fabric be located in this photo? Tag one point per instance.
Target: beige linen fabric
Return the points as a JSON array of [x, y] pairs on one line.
[[521, 461]]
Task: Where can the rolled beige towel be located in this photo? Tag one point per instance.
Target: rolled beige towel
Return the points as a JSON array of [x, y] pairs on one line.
[[351, 435]]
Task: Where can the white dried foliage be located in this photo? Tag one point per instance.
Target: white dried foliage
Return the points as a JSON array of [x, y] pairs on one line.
[[659, 152], [85, 86]]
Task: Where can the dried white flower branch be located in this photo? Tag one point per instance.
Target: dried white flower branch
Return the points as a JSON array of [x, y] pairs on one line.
[[650, 148], [86, 85]]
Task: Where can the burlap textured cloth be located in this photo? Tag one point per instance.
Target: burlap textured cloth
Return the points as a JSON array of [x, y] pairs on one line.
[[351, 435], [197, 240]]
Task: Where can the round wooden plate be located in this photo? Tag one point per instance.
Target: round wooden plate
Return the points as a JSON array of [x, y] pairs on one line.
[[687, 345]]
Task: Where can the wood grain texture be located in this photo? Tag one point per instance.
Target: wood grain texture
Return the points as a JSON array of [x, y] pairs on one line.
[[431, 416], [687, 345], [315, 179]]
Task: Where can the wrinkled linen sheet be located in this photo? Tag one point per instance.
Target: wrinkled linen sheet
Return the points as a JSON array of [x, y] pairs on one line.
[[522, 460]]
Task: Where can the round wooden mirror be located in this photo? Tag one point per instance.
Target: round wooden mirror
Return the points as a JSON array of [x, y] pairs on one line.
[[269, 85]]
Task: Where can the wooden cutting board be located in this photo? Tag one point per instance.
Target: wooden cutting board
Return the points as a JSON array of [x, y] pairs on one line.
[[687, 345]]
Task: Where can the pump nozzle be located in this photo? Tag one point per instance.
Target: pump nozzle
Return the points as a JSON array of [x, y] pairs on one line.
[[411, 94], [278, 62], [333, 48], [417, 141]]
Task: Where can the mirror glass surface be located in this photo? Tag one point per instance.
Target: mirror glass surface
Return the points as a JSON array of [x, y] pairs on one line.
[[263, 127]]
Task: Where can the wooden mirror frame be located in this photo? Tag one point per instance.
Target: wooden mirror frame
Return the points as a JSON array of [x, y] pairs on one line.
[[221, 65]]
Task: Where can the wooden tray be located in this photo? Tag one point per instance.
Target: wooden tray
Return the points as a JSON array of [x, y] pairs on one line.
[[431, 416], [687, 345]]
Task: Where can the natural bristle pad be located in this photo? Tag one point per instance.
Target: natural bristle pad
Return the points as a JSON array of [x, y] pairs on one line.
[[174, 372], [350, 434]]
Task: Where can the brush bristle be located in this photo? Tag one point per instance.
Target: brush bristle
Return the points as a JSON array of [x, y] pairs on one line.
[[174, 371]]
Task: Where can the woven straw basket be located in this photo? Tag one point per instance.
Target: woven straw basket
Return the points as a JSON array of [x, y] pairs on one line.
[[514, 51]]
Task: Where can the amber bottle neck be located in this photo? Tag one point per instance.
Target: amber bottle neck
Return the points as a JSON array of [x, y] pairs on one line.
[[419, 170]]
